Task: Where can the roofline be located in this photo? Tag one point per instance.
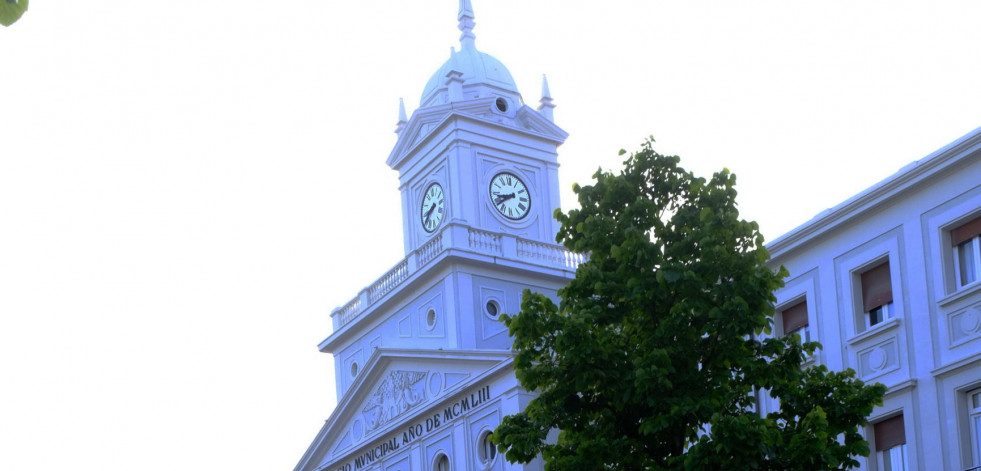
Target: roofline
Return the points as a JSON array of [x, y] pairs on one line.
[[907, 177]]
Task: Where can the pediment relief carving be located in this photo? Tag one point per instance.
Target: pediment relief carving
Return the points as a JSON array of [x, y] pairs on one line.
[[397, 393], [394, 388]]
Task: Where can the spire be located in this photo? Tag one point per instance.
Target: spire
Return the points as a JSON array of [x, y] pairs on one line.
[[466, 24], [545, 105], [402, 119]]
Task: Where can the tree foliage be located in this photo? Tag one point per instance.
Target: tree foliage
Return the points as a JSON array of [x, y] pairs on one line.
[[657, 352], [11, 11]]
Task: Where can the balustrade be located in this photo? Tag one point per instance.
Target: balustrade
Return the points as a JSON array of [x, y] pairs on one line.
[[429, 250], [485, 241], [388, 281], [478, 241]]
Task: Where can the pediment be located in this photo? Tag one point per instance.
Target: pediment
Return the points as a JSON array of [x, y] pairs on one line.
[[425, 123], [533, 121], [396, 385]]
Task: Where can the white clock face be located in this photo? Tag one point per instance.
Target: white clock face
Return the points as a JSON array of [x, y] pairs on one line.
[[509, 195], [433, 207]]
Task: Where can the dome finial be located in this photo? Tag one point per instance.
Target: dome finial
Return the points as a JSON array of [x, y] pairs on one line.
[[466, 24]]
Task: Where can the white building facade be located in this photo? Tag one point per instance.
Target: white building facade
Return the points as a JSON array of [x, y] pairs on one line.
[[889, 282], [423, 364]]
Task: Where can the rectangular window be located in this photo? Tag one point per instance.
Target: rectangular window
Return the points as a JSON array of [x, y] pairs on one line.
[[794, 320], [877, 295], [966, 240], [890, 444], [974, 415]]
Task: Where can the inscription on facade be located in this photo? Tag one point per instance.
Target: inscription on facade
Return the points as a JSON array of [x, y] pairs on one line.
[[417, 430]]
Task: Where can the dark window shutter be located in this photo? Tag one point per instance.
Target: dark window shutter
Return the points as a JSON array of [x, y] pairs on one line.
[[965, 232], [794, 317], [876, 287], [889, 433]]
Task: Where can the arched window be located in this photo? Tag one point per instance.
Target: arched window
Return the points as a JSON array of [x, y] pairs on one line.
[[486, 450], [442, 463]]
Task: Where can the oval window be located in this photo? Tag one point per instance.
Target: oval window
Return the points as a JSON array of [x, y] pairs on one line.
[[492, 308], [485, 448]]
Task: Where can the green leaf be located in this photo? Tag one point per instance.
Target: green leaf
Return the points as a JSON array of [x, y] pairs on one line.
[[652, 357], [11, 11]]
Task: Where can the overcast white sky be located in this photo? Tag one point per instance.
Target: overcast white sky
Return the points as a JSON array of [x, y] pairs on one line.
[[188, 188]]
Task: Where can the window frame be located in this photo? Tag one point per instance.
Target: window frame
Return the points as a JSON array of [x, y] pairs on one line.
[[791, 307], [440, 459], [887, 430], [486, 450], [975, 262], [871, 289], [974, 423], [955, 227]]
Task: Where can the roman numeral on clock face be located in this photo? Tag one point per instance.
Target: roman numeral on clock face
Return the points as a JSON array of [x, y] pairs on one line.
[[509, 195], [431, 209]]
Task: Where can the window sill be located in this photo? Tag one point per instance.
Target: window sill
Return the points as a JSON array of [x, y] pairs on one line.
[[879, 328], [961, 293]]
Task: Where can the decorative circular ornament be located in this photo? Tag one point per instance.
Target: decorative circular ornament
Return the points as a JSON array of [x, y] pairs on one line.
[[435, 383], [509, 195], [433, 207], [877, 359], [357, 430], [971, 321]]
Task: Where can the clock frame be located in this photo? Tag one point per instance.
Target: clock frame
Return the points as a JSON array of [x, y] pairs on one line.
[[509, 196], [433, 207]]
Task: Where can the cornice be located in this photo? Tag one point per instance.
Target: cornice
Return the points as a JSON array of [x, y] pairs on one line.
[[442, 117], [913, 175], [438, 267]]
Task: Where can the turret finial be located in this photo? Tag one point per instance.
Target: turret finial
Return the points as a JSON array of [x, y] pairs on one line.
[[545, 105], [402, 119], [466, 24]]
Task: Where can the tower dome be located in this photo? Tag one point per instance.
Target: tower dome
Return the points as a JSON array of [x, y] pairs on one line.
[[480, 73]]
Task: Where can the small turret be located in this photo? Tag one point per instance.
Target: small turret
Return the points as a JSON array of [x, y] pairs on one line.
[[399, 126], [545, 105], [454, 78]]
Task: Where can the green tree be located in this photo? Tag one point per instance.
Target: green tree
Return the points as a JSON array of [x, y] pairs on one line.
[[11, 11], [656, 353]]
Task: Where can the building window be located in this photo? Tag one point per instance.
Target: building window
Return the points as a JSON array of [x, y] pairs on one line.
[[890, 444], [486, 450], [431, 319], [974, 408], [492, 309], [877, 295], [794, 320], [966, 240], [442, 463]]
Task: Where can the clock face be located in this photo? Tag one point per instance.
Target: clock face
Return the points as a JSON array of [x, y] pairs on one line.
[[433, 207], [510, 195]]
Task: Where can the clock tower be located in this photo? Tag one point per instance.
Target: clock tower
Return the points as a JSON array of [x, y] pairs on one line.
[[474, 141], [422, 360]]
